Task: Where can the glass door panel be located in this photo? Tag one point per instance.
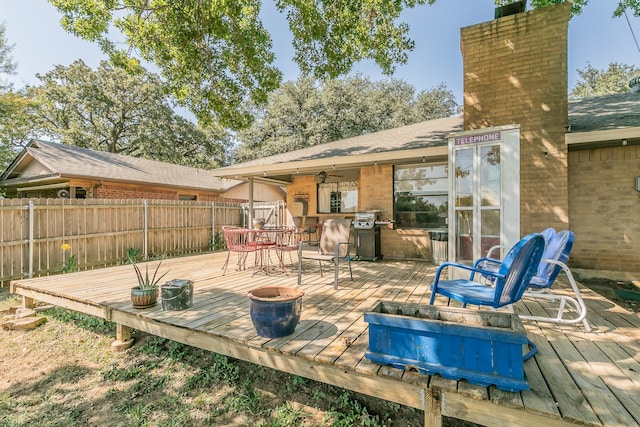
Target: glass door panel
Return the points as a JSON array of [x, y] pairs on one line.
[[463, 185], [491, 190]]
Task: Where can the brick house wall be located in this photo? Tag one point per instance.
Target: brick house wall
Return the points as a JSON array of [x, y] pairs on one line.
[[375, 192], [603, 207], [515, 72], [123, 191]]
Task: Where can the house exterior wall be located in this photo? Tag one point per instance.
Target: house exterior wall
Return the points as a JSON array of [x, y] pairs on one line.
[[375, 192], [109, 190], [302, 190], [515, 72], [261, 192], [603, 207]]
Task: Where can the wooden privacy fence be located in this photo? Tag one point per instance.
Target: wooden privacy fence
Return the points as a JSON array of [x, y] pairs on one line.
[[99, 232]]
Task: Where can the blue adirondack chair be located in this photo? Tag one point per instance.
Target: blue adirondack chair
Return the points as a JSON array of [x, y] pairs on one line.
[[509, 282], [554, 258]]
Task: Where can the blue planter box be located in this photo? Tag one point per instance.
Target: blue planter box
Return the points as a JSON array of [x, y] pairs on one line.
[[482, 347]]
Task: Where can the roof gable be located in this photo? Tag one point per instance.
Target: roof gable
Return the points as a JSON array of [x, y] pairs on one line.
[[68, 161]]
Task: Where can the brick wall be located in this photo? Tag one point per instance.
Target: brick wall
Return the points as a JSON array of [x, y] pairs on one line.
[[303, 185], [123, 191], [375, 192], [604, 208], [515, 72]]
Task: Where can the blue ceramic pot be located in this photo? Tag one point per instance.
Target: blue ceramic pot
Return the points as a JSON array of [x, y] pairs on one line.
[[275, 310]]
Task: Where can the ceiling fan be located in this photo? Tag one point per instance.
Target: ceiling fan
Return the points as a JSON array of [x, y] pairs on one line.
[[322, 177]]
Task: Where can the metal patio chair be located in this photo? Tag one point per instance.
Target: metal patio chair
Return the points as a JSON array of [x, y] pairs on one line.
[[333, 247], [554, 260], [286, 241], [240, 241], [509, 282]]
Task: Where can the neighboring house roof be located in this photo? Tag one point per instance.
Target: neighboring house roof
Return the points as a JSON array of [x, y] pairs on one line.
[[62, 162]]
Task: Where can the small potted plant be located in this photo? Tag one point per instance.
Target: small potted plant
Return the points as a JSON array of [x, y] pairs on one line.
[[146, 293]]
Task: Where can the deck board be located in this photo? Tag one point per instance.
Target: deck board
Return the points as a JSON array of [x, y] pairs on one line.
[[576, 377]]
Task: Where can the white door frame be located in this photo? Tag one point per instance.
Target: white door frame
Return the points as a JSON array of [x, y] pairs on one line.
[[508, 137]]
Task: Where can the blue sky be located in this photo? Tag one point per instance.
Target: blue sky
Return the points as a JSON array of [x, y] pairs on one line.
[[594, 37]]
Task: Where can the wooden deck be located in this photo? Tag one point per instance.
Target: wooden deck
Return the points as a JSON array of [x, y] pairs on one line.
[[576, 377]]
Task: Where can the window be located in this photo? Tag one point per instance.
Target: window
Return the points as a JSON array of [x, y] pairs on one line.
[[336, 197], [421, 196]]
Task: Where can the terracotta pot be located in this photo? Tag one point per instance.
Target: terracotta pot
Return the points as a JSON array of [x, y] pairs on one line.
[[275, 310], [143, 298]]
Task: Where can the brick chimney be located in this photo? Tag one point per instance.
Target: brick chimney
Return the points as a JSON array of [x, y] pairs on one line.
[[515, 72]]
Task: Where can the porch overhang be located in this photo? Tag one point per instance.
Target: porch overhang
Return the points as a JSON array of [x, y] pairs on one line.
[[282, 173], [603, 138]]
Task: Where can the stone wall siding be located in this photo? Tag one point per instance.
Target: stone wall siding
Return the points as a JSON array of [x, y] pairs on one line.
[[604, 208], [515, 72]]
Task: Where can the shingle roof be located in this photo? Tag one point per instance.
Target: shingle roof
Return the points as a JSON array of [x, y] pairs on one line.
[[585, 115], [607, 112], [70, 161], [431, 133]]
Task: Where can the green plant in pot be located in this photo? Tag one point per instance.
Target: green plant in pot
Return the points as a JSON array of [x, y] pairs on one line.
[[146, 293]]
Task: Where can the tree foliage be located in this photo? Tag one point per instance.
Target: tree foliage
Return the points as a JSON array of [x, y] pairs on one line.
[[216, 55], [13, 129], [614, 79], [7, 65], [578, 5], [308, 112], [112, 110]]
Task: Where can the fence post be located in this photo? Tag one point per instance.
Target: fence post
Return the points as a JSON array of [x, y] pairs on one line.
[[213, 225], [145, 230], [31, 238]]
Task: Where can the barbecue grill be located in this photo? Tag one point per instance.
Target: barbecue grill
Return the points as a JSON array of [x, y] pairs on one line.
[[367, 235], [365, 220]]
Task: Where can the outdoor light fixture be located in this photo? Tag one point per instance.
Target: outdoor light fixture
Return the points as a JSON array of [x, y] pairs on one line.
[[624, 142]]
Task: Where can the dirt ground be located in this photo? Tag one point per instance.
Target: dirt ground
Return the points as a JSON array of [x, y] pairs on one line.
[[63, 373]]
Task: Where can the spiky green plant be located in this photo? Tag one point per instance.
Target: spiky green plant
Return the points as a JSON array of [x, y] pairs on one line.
[[145, 281]]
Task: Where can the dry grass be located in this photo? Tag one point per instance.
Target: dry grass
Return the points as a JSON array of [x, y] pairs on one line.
[[63, 373]]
